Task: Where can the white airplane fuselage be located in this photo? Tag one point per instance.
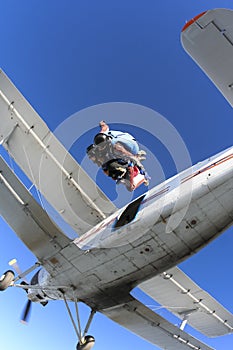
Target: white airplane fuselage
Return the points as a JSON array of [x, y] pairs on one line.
[[150, 235]]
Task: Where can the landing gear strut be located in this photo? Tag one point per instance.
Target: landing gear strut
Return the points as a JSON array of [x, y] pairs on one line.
[[6, 279], [86, 342]]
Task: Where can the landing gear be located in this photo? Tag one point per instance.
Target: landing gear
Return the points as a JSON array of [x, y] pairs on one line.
[[86, 342], [6, 279]]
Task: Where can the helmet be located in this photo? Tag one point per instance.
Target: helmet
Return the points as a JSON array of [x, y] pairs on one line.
[[99, 138]]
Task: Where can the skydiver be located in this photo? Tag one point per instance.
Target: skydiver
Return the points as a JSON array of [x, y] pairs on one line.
[[119, 156], [123, 171], [126, 172], [123, 143]]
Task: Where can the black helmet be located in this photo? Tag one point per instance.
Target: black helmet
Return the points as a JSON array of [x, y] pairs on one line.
[[99, 138]]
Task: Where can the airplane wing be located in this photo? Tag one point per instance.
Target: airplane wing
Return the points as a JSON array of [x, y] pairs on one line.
[[27, 218], [144, 322], [208, 39], [180, 295], [47, 163], [176, 292]]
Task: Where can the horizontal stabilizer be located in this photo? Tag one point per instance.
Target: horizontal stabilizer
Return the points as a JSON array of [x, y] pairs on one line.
[[208, 39], [142, 321], [180, 295], [47, 163]]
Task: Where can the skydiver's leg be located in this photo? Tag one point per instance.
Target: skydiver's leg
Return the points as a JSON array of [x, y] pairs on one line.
[[121, 150], [129, 144], [119, 147]]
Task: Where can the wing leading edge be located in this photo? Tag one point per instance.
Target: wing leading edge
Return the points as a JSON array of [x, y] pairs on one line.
[[27, 218], [176, 292], [47, 163], [208, 39], [180, 295], [139, 319]]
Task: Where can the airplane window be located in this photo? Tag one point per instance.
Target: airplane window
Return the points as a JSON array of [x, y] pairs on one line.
[[129, 213]]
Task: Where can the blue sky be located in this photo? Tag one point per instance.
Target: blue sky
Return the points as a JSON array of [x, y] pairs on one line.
[[65, 56]]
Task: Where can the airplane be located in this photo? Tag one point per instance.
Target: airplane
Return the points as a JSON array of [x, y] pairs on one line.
[[119, 249]]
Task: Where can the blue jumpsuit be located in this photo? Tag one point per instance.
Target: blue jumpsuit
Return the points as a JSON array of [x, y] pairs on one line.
[[127, 140]]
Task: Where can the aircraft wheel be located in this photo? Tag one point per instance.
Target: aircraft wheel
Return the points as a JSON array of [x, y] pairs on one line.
[[6, 279], [88, 343]]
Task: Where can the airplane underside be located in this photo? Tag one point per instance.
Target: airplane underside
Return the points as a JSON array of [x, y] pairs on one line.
[[161, 247], [118, 250]]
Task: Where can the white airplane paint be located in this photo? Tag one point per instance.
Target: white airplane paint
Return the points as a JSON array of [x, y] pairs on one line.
[[210, 177], [138, 245]]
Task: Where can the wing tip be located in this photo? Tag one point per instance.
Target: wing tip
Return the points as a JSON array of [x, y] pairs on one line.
[[193, 20]]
